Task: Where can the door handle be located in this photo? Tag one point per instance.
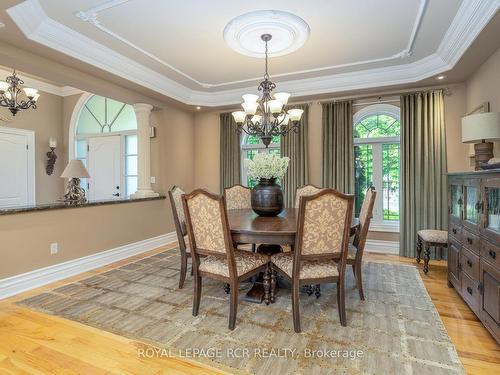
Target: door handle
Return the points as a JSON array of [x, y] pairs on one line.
[[116, 195]]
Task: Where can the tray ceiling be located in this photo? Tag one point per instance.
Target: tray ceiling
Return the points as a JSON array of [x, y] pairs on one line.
[[177, 47]]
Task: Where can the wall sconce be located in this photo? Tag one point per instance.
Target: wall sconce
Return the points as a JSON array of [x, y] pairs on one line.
[[52, 157]]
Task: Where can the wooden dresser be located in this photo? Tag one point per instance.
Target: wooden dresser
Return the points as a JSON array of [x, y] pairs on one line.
[[474, 243]]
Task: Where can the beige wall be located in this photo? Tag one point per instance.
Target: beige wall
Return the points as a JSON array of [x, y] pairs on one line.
[[26, 237], [484, 86], [46, 122], [207, 145]]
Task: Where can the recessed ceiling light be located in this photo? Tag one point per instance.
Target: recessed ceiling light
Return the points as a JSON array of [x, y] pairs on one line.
[[198, 108], [441, 77]]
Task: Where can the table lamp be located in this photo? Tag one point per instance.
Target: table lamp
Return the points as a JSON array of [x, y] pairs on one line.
[[479, 128], [74, 171]]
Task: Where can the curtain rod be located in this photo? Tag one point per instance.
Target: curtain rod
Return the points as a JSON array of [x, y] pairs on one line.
[[446, 91]]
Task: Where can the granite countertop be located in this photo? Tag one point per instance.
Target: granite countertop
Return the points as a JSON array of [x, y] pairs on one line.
[[62, 205]]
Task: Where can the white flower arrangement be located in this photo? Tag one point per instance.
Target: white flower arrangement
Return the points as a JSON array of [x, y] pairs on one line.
[[266, 166]]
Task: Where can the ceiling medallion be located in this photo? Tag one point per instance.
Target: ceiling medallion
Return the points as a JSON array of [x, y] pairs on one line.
[[266, 117], [289, 32]]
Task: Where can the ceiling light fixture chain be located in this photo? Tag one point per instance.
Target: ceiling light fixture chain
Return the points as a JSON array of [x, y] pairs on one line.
[[266, 117], [10, 94]]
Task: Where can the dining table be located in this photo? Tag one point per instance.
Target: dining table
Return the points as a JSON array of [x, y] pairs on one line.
[[270, 232]]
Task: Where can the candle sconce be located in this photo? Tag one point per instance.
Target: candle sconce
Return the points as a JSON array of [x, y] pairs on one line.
[[51, 157]]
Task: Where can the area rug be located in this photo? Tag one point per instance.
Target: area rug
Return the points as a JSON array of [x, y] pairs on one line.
[[396, 330]]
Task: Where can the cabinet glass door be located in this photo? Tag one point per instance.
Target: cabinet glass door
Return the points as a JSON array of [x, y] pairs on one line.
[[491, 198], [456, 201], [471, 199]]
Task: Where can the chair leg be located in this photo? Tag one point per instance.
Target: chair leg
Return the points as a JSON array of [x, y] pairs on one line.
[[192, 267], [254, 248], [233, 306], [197, 294], [341, 302], [427, 256], [183, 270], [419, 249], [359, 280], [296, 306], [317, 290]]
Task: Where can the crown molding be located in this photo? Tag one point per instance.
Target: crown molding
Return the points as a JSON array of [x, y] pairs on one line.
[[41, 85], [471, 18]]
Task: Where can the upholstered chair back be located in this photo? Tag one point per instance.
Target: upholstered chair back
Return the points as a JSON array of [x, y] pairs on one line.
[[238, 197], [324, 223], [176, 194], [365, 216], [205, 218], [305, 191]]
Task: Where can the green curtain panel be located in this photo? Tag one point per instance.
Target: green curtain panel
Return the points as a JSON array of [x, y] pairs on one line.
[[338, 148], [295, 146], [423, 202], [229, 152]]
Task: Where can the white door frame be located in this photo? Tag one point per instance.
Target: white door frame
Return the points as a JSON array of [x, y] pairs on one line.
[[30, 136]]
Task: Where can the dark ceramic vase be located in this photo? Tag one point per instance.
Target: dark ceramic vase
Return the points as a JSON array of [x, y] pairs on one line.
[[267, 197]]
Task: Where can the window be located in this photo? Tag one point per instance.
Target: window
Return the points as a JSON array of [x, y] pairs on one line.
[[251, 145], [377, 162], [101, 117]]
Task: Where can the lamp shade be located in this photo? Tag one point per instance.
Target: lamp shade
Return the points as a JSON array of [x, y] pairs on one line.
[[75, 169], [481, 126]]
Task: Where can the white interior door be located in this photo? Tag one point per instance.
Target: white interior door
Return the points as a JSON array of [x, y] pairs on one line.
[[105, 167], [17, 175]]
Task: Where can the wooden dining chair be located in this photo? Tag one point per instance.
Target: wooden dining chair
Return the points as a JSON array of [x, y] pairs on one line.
[[239, 197], [305, 191], [356, 249], [175, 195], [210, 237], [322, 234]]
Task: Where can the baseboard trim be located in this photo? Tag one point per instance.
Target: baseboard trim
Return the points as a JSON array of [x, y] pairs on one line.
[[385, 247], [37, 278]]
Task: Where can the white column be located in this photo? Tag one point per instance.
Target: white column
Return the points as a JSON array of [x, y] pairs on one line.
[[144, 190]]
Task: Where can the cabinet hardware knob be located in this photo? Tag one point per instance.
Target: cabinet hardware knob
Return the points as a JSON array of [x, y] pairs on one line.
[[454, 230], [469, 240], [469, 290], [492, 254], [116, 195], [469, 263]]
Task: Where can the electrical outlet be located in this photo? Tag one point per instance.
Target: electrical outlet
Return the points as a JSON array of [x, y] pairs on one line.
[[153, 180], [53, 248]]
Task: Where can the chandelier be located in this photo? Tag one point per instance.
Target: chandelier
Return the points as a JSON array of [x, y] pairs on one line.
[[266, 117], [10, 94]]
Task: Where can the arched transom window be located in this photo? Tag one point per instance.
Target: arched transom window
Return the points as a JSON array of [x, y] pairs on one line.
[[251, 145], [377, 161], [106, 142]]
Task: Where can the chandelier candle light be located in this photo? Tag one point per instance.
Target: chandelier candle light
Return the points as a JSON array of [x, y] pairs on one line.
[[266, 117], [10, 94]]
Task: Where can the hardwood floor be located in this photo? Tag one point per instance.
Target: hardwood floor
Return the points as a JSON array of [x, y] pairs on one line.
[[36, 343]]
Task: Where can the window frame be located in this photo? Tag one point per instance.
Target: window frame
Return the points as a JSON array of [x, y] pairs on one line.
[[260, 147], [75, 137], [378, 224]]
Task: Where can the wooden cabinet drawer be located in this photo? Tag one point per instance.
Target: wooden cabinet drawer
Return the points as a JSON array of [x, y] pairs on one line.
[[455, 231], [470, 292], [490, 253], [470, 264], [470, 241]]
